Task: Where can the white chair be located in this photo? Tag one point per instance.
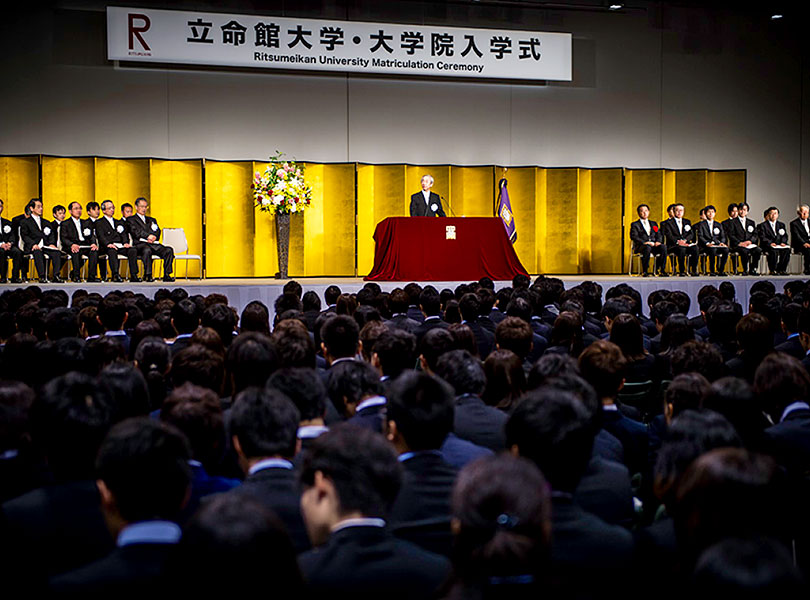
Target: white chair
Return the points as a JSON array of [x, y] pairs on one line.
[[175, 238]]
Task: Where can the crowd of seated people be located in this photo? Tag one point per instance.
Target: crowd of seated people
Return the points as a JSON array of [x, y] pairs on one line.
[[531, 442]]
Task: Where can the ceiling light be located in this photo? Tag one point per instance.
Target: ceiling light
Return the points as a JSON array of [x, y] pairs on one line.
[[621, 6], [776, 17]]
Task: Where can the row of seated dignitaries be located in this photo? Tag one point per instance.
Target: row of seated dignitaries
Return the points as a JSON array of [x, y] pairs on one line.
[[679, 239], [412, 444], [100, 239]]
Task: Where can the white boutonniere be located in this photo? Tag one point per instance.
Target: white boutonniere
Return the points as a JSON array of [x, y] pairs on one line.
[[154, 227], [687, 228], [120, 229], [47, 231], [86, 232], [6, 229], [750, 229], [781, 232], [716, 231], [434, 207]]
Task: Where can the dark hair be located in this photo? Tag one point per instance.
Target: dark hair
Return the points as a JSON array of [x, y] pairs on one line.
[[698, 357], [294, 346], [251, 359], [61, 323], [780, 380], [144, 464], [128, 389], [396, 350], [506, 380], [754, 336], [434, 344], [340, 335], [112, 312], [369, 334], [349, 381], [197, 412], [567, 332], [731, 207], [626, 333], [101, 352], [464, 338], [304, 388], [552, 364], [69, 419], [552, 428], [602, 364], [209, 339], [184, 316], [503, 507], [681, 300], [638, 208], [422, 408], [221, 319], [452, 314], [92, 205], [287, 302], [153, 357], [200, 366], [462, 371], [361, 465], [265, 422], [240, 545], [292, 287], [676, 332], [311, 301], [721, 319], [690, 434], [516, 335], [686, 392], [430, 302], [331, 294]]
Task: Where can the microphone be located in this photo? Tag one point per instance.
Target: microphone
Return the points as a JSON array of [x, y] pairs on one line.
[[449, 206]]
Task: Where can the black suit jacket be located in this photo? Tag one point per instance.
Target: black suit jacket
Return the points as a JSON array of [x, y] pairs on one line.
[[670, 230], [8, 233], [640, 237], [277, 489], [402, 321], [366, 562], [427, 483], [793, 347], [767, 235], [420, 209], [484, 339], [789, 442], [798, 235], [716, 235], [428, 324], [70, 236], [140, 232], [480, 424], [108, 234], [737, 233], [32, 235], [606, 492]]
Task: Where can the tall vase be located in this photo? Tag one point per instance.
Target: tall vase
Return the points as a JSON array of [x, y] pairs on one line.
[[283, 242]]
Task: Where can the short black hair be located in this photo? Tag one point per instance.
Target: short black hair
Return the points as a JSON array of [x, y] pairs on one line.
[[732, 206], [265, 422], [293, 287], [462, 371], [311, 300], [200, 366], [352, 380], [61, 323], [304, 387], [185, 316], [221, 319], [430, 302], [112, 312], [251, 359], [422, 408], [434, 344], [552, 428], [331, 294], [125, 205], [197, 412], [396, 350], [92, 205], [144, 464], [255, 317], [640, 206], [361, 465], [340, 335], [470, 307]]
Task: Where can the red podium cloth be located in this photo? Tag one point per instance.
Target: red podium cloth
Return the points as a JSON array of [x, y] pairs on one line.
[[418, 249]]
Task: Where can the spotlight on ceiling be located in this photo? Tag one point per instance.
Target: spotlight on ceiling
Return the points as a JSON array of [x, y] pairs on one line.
[[776, 17], [616, 6]]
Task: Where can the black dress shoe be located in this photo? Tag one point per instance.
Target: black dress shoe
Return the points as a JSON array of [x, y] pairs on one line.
[[645, 274], [149, 279], [753, 273], [42, 280], [169, 278], [76, 280], [57, 279], [681, 274], [117, 279], [93, 280], [135, 280], [16, 280], [3, 279], [663, 274]]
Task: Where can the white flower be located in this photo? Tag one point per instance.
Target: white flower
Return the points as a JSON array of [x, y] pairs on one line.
[[6, 229], [277, 200], [86, 231], [434, 207], [750, 229], [292, 208], [687, 228], [154, 227], [265, 200], [781, 232], [716, 231], [120, 229], [47, 231]]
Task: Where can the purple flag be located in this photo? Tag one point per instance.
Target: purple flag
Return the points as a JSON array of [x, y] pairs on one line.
[[505, 211]]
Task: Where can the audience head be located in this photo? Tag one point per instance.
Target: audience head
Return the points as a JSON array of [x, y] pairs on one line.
[[462, 371], [304, 388], [394, 352], [602, 364], [339, 337], [263, 424], [197, 413], [420, 412], [349, 382], [506, 380], [698, 357], [250, 361], [200, 366]]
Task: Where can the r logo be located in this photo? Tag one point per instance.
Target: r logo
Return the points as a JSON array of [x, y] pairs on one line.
[[135, 30]]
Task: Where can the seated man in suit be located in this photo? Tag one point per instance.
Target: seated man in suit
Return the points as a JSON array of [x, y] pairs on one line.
[[733, 213], [742, 238], [39, 238], [263, 426], [426, 203], [355, 390], [648, 240], [800, 235], [680, 240], [78, 240], [9, 249], [712, 240], [420, 416], [773, 239], [144, 479], [145, 234], [16, 222], [113, 239], [350, 480]]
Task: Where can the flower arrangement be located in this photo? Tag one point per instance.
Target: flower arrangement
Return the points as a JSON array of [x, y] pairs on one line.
[[281, 189]]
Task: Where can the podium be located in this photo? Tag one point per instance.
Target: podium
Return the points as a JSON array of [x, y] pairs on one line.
[[443, 249]]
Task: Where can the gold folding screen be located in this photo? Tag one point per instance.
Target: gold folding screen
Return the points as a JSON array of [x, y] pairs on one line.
[[568, 220]]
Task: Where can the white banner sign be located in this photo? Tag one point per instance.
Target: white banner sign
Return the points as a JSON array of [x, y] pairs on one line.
[[164, 36]]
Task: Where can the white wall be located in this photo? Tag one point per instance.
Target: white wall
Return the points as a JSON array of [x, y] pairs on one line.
[[712, 90]]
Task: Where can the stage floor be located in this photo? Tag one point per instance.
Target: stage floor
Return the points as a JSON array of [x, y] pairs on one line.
[[242, 291]]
